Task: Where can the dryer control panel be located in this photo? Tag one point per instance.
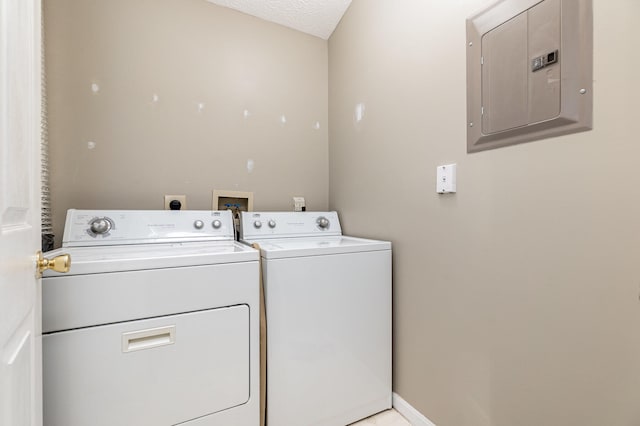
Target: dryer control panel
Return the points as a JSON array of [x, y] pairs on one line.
[[256, 225], [113, 227]]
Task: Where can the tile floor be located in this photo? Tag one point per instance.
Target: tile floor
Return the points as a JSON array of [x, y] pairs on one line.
[[386, 418]]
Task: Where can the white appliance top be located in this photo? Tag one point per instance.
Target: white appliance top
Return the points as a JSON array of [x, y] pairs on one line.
[[84, 228], [101, 241], [295, 234], [113, 258], [317, 246]]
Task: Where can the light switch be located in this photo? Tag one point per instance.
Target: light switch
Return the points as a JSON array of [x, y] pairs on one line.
[[446, 179]]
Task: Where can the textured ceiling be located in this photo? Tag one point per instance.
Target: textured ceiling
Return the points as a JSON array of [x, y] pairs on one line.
[[315, 17]]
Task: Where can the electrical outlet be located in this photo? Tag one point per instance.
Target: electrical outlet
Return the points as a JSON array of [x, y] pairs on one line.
[[299, 204], [169, 198]]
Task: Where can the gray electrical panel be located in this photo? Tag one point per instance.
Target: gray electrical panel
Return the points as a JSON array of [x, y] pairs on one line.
[[529, 71]]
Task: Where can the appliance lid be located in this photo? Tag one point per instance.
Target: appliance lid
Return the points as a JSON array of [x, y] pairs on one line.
[[103, 259], [316, 246]]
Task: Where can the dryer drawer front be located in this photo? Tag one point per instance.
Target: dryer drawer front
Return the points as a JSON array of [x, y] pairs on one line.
[[153, 372]]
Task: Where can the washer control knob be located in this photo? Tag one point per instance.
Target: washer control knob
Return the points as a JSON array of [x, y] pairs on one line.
[[198, 224], [257, 224], [272, 223], [100, 225], [216, 224], [323, 222]]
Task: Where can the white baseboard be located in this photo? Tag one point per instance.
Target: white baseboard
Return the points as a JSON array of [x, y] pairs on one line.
[[415, 417]]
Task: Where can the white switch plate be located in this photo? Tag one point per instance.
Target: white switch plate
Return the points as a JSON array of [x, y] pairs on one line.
[[446, 179]]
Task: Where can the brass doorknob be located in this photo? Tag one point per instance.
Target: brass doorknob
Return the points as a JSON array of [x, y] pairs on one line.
[[60, 263]]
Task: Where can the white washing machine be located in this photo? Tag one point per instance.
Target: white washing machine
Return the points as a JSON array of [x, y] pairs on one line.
[[328, 308], [157, 322]]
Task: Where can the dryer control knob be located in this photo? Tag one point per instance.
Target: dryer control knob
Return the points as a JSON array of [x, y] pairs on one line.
[[198, 224], [216, 224], [272, 223], [257, 224], [100, 225], [323, 222]]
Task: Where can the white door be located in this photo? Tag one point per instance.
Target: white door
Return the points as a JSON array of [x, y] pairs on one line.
[[20, 325]]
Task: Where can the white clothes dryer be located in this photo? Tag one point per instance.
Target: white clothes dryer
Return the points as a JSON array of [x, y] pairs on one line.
[[328, 310], [156, 322]]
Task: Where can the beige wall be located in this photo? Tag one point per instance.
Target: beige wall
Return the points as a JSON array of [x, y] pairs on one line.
[[187, 52], [516, 299]]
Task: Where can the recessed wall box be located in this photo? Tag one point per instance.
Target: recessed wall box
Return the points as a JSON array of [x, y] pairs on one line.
[[529, 71], [232, 200], [236, 201]]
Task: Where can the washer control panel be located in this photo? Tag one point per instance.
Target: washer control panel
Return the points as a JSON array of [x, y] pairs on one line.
[[256, 225], [106, 227]]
